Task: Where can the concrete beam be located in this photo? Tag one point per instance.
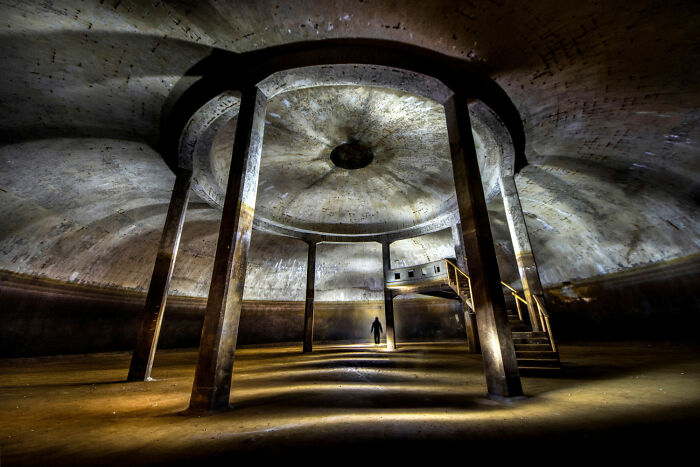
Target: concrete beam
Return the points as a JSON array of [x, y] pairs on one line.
[[149, 330], [212, 382], [439, 223], [500, 364]]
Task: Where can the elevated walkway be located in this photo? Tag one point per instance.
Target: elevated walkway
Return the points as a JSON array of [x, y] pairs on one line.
[[432, 279], [536, 351]]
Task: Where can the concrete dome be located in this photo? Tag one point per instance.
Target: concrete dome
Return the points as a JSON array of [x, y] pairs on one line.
[[408, 182], [608, 102]]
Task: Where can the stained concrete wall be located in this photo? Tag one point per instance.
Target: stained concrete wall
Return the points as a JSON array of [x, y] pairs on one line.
[[656, 302], [46, 317]]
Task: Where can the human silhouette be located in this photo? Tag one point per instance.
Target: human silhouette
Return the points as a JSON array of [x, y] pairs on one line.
[[376, 329]]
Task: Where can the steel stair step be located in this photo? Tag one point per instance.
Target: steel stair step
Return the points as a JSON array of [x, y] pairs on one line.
[[530, 334], [530, 341], [538, 362], [534, 370], [537, 354], [533, 347]]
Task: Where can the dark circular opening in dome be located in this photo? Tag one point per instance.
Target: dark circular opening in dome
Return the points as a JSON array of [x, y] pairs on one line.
[[351, 156]]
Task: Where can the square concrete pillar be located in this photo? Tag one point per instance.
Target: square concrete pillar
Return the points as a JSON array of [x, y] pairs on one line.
[[309, 306], [529, 276], [388, 299], [212, 381], [500, 364], [469, 316], [152, 318]]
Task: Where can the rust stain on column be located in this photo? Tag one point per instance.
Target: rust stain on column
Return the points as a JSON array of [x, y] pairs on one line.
[[388, 300], [147, 339], [500, 364], [212, 382], [309, 308]]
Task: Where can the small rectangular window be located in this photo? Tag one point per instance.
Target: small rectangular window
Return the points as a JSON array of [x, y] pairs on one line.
[[410, 273], [397, 275], [437, 268]]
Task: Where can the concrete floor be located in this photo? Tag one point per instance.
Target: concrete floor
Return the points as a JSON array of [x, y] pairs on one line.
[[345, 404]]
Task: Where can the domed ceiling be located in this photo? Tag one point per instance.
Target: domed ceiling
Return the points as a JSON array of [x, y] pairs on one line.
[[405, 179], [608, 92]]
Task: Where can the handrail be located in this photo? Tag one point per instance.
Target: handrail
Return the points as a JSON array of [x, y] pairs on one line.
[[469, 282], [545, 316], [450, 263], [518, 299], [542, 311], [509, 287]]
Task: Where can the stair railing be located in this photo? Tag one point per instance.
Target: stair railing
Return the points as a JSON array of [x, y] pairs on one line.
[[541, 309], [518, 299], [461, 289], [544, 317]]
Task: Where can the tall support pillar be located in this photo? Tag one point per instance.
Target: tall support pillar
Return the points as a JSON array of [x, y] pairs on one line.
[[388, 300], [527, 266], [469, 316], [500, 364], [212, 380], [149, 330], [309, 308]]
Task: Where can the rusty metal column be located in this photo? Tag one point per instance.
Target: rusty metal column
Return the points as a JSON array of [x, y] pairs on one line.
[[309, 307], [500, 364], [149, 330], [388, 299], [212, 380], [469, 316], [527, 266]]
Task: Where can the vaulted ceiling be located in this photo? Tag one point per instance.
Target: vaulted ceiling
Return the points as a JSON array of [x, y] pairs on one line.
[[609, 95]]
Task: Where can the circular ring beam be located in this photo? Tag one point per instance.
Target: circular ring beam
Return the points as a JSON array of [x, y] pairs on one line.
[[277, 70], [201, 130]]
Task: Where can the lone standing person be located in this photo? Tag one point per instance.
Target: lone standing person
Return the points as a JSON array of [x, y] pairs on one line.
[[376, 329]]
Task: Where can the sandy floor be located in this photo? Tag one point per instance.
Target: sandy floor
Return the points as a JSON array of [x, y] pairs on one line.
[[352, 403]]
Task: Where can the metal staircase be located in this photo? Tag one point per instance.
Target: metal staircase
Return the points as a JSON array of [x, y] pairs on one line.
[[536, 351]]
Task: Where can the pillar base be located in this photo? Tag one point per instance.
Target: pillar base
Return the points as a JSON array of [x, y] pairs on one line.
[[507, 400], [195, 412]]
